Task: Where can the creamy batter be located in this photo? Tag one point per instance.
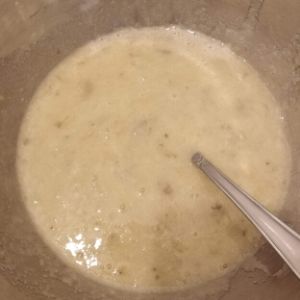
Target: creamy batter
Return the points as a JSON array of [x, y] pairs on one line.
[[104, 158]]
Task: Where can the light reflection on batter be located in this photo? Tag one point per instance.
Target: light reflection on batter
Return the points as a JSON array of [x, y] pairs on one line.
[[81, 250]]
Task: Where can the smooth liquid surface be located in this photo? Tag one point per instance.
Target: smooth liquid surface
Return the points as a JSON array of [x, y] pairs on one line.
[[104, 158]]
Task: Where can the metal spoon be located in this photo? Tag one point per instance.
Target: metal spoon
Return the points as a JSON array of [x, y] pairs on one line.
[[283, 239]]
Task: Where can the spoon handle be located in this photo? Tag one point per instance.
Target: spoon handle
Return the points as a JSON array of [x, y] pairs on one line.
[[284, 240]]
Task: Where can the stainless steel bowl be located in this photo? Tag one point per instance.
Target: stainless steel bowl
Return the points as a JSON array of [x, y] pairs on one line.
[[35, 35]]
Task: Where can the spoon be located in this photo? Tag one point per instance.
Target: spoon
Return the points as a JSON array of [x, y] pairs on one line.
[[283, 239]]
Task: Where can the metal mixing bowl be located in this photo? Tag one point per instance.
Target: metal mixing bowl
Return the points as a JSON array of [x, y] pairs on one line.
[[35, 35]]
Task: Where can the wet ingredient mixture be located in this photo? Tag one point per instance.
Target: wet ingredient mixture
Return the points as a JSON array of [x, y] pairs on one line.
[[104, 158]]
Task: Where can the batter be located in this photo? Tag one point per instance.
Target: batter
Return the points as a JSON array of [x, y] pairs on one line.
[[104, 158]]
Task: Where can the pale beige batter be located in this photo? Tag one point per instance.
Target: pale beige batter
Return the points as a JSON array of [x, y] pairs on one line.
[[104, 158]]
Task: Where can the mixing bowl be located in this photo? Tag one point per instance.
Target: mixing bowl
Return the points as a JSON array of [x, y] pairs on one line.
[[35, 35]]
